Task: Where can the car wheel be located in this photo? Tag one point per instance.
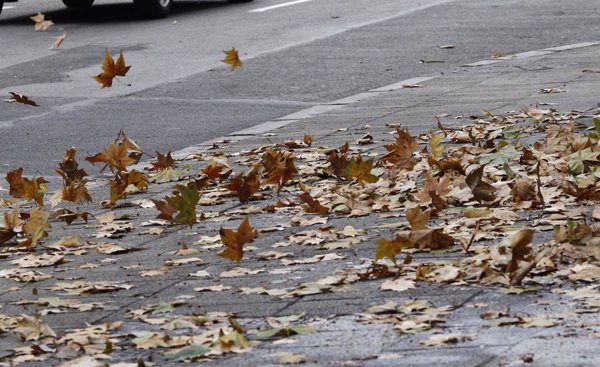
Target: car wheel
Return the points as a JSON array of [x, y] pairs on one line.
[[78, 3], [153, 8]]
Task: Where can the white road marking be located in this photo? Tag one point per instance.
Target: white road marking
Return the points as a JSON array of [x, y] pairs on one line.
[[5, 7], [534, 53], [325, 107], [267, 8]]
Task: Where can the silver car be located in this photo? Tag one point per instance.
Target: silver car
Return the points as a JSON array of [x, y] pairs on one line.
[[146, 8]]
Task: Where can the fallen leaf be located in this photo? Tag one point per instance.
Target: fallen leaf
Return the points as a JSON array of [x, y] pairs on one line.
[[20, 98], [398, 285], [481, 190], [41, 24], [245, 185], [445, 339], [279, 167], [291, 358], [235, 240], [401, 152]]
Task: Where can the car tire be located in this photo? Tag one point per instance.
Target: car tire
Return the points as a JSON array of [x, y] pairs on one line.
[[153, 8], [78, 3], [239, 1]]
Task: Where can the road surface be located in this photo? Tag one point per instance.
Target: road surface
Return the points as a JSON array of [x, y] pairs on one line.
[[296, 54]]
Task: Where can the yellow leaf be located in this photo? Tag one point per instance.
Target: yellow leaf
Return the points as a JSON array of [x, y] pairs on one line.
[[232, 58]]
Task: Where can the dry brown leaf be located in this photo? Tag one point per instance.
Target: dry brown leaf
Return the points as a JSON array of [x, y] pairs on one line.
[[41, 24], [23, 99], [111, 69], [481, 190], [279, 168], [245, 185], [235, 240], [401, 152]]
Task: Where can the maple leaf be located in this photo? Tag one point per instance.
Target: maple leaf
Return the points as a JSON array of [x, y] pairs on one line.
[[391, 248], [69, 216], [499, 156], [69, 168], [111, 69], [235, 240], [308, 139], [36, 227], [423, 237], [580, 161], [22, 187], [135, 152], [117, 156], [125, 183], [163, 162], [361, 170], [434, 190], [401, 152], [435, 145], [417, 218], [448, 164], [279, 167], [232, 58], [20, 98], [523, 189], [183, 201], [338, 163], [12, 225], [76, 192], [481, 190], [245, 185], [199, 184], [573, 232], [41, 24], [520, 249], [218, 167], [313, 205], [585, 193], [430, 238], [30, 328]]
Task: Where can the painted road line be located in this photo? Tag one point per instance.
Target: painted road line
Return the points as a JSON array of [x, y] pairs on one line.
[[533, 53], [296, 117], [402, 84], [572, 47], [267, 8], [6, 7]]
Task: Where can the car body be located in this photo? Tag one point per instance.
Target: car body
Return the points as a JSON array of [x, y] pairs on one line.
[[146, 8]]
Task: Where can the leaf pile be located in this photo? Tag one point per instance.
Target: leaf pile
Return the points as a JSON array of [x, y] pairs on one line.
[[516, 192]]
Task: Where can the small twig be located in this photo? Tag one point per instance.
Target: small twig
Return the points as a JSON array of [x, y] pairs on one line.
[[439, 124], [539, 183], [468, 246], [519, 275]]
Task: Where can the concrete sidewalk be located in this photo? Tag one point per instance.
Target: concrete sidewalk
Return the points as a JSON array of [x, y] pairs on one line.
[[341, 336]]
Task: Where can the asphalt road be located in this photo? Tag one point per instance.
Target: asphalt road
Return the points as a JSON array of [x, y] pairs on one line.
[[295, 56]]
